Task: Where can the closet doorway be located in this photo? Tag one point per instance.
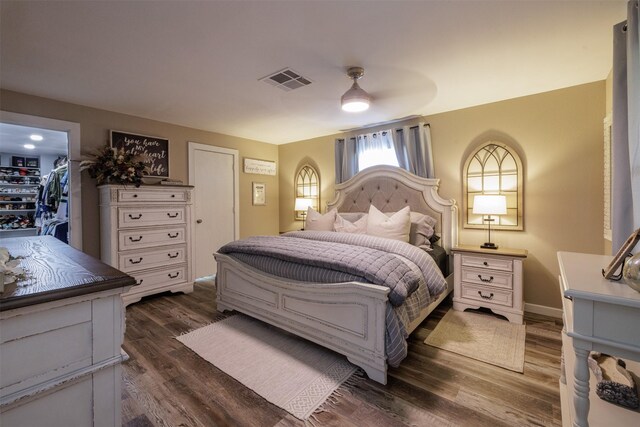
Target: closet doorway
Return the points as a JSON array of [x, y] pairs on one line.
[[39, 185], [213, 171]]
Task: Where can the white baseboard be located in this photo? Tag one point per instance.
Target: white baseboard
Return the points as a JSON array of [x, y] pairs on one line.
[[543, 309]]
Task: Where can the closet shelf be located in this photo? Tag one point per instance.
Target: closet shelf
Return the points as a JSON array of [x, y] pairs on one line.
[[10, 211], [17, 229], [4, 184]]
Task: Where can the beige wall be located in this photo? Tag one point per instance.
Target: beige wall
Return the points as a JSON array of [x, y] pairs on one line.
[[559, 137], [95, 125]]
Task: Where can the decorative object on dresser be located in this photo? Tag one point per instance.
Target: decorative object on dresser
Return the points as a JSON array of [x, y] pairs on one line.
[[147, 232], [619, 258], [631, 272], [489, 278], [288, 371], [489, 205], [602, 316], [115, 166], [482, 337], [62, 329], [153, 150]]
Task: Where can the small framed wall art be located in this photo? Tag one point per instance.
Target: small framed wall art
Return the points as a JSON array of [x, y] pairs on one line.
[[32, 162], [258, 193]]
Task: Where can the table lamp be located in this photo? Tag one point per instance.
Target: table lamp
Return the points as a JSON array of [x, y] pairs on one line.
[[302, 204], [489, 205]]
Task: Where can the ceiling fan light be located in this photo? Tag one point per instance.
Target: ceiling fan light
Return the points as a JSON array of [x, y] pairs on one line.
[[355, 99]]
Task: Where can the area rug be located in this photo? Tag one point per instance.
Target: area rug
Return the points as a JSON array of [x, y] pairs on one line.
[[288, 371], [481, 337]]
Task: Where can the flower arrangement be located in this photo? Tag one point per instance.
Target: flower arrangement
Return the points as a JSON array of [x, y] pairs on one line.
[[9, 268], [115, 165]]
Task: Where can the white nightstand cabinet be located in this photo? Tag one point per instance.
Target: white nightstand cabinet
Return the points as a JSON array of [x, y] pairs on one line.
[[147, 232], [489, 278]]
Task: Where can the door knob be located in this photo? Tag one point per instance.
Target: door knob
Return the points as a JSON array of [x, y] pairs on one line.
[[199, 221]]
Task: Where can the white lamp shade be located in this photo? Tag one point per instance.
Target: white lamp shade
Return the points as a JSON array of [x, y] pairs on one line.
[[355, 99], [302, 204], [489, 205]]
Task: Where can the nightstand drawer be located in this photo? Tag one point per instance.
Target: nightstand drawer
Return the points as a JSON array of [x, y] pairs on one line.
[[487, 278], [487, 295], [487, 262]]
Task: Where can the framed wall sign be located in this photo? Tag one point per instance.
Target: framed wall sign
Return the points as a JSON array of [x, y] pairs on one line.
[[153, 148], [32, 162], [258, 193], [259, 167]]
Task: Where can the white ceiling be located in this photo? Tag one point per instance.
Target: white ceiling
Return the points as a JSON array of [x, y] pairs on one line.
[[14, 137], [197, 64]]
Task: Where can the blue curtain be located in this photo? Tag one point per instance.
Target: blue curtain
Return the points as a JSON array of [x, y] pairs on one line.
[[346, 159], [413, 149], [625, 144]]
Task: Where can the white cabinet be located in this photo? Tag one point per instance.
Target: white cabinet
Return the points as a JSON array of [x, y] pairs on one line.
[[489, 278], [599, 315], [60, 337], [147, 232]]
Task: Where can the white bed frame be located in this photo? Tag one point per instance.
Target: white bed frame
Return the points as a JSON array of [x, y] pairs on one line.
[[348, 318]]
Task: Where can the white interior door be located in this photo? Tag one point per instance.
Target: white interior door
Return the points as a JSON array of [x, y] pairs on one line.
[[213, 171]]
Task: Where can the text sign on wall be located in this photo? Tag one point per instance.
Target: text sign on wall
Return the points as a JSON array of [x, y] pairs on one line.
[[154, 149], [259, 167]]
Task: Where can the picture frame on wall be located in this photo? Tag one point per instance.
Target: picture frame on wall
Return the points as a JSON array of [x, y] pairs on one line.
[[32, 162], [258, 193], [154, 149], [17, 161]]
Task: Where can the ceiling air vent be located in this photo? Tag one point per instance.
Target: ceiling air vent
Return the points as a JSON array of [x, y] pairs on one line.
[[286, 79]]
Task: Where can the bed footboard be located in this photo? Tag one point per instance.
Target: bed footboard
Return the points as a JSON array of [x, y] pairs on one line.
[[348, 318]]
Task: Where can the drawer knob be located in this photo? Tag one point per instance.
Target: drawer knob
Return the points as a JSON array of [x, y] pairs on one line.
[[135, 217], [139, 282], [135, 196], [489, 280], [135, 240], [173, 236], [135, 262], [485, 263], [173, 195], [171, 276], [172, 216], [490, 296], [173, 256]]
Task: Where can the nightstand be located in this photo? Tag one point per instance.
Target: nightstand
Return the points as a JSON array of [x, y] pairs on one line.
[[489, 278]]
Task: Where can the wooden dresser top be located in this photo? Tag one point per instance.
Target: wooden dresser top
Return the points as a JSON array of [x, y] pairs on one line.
[[56, 271]]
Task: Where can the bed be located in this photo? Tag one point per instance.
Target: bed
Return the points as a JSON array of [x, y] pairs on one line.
[[347, 317]]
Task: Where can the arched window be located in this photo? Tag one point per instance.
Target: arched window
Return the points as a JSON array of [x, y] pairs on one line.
[[494, 168], [307, 184]]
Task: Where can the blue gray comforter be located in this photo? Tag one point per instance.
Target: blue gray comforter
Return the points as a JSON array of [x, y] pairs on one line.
[[329, 257]]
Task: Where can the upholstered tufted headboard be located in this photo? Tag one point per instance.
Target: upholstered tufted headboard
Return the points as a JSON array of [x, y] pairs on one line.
[[390, 189]]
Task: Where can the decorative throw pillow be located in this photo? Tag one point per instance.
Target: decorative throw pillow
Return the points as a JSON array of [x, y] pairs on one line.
[[396, 226], [421, 229], [343, 225], [318, 222]]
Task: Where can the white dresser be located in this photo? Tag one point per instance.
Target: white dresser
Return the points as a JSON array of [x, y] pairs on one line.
[[599, 315], [490, 278], [61, 330], [147, 232]]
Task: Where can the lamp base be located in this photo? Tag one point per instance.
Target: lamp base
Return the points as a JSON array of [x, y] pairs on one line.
[[489, 245]]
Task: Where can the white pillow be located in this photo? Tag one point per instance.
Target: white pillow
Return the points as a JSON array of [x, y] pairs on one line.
[[317, 222], [396, 226], [345, 226]]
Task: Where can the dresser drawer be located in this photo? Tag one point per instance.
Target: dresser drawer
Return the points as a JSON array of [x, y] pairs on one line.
[[136, 239], [164, 277], [487, 295], [140, 195], [140, 217], [487, 262], [136, 261], [486, 277]]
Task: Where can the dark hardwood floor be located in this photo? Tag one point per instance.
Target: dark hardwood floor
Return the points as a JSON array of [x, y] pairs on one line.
[[166, 384]]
